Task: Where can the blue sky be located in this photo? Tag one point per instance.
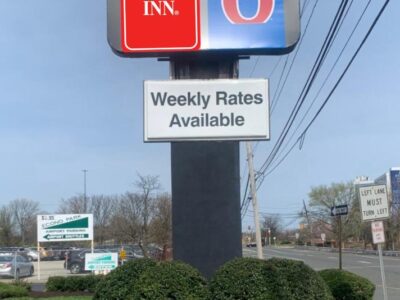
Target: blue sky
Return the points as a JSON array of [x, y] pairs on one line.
[[68, 103]]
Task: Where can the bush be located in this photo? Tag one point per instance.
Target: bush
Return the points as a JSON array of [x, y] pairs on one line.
[[247, 278], [348, 286], [171, 280], [118, 285], [85, 283], [303, 283], [8, 291], [250, 278]]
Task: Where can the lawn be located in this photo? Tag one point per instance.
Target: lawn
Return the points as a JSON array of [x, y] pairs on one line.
[[55, 298]]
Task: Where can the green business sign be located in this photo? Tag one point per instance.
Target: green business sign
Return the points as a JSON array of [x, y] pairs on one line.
[[101, 261]]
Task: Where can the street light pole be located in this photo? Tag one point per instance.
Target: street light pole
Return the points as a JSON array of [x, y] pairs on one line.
[[84, 191]]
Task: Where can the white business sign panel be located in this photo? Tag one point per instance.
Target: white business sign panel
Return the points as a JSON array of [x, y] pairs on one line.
[[101, 261], [60, 228], [378, 232], [374, 202], [221, 109]]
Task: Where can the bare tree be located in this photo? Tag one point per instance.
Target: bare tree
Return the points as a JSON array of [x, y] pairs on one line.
[[147, 185], [126, 222], [24, 212], [103, 208], [72, 205], [7, 233], [161, 225]]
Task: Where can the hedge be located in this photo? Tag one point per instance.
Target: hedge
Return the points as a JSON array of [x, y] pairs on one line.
[[171, 280], [85, 283], [345, 285], [247, 278], [118, 285], [303, 283], [8, 291], [251, 278]]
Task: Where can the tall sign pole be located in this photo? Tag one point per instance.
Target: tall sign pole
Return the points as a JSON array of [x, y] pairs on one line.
[[206, 217], [203, 40]]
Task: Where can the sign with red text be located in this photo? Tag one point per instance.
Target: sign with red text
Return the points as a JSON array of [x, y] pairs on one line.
[[378, 232], [164, 27], [218, 109]]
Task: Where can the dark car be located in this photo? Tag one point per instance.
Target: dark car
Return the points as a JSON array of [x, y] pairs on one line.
[[75, 259]]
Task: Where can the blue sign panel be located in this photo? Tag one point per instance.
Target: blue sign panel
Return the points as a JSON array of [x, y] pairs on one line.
[[243, 25], [395, 185]]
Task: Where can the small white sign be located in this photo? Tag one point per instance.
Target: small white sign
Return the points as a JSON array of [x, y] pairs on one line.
[[378, 232], [323, 236], [101, 261], [60, 228], [374, 202], [220, 109]]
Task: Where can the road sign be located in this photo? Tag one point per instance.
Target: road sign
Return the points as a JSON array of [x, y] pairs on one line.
[[159, 28], [374, 202], [378, 232], [219, 109], [59, 228], [101, 261], [339, 210]]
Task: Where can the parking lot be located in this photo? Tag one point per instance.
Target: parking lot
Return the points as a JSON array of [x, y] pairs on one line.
[[47, 269]]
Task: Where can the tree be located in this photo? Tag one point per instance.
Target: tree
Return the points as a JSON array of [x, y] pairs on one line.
[[102, 207], [7, 232], [126, 221], [72, 205], [322, 198], [161, 225], [147, 186], [24, 212], [272, 226]]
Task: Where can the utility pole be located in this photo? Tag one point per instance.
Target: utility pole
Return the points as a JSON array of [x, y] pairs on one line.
[[84, 191], [340, 241], [308, 221], [254, 198]]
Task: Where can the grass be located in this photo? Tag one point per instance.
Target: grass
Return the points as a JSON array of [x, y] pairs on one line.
[[55, 298]]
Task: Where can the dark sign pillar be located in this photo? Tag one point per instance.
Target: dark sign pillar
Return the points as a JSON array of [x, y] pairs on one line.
[[206, 220]]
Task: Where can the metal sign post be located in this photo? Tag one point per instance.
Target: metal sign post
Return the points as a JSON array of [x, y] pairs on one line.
[[378, 237], [375, 206], [339, 211]]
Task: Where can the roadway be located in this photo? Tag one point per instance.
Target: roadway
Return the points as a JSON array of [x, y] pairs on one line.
[[364, 265]]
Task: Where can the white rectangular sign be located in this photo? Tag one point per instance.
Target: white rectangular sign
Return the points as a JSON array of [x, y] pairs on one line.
[[374, 202], [220, 109], [378, 232], [101, 261], [59, 228]]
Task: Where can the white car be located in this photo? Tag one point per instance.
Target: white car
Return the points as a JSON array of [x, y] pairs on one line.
[[16, 266]]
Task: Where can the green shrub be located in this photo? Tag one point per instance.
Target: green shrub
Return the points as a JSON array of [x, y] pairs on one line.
[[348, 286], [171, 280], [303, 283], [251, 278], [85, 283], [247, 278], [8, 291], [118, 285]]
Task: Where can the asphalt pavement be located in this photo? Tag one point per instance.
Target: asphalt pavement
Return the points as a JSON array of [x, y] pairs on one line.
[[364, 265]]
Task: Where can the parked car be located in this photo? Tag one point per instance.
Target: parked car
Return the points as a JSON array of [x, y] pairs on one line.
[[26, 252], [75, 259], [15, 266]]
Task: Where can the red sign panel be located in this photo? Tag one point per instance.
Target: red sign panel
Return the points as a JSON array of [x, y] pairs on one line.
[[160, 25]]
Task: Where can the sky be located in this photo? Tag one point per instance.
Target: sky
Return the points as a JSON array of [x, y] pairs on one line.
[[68, 103]]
